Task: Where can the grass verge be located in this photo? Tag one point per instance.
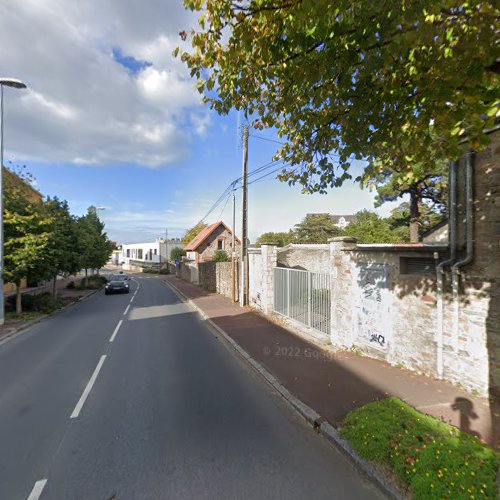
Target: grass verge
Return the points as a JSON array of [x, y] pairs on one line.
[[24, 316], [431, 459]]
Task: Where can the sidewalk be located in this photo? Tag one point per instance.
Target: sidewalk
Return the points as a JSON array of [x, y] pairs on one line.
[[335, 382]]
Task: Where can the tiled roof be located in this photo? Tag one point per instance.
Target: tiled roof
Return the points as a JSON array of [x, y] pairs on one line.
[[203, 235]]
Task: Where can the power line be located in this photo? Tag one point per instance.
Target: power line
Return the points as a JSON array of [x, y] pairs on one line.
[[267, 139]]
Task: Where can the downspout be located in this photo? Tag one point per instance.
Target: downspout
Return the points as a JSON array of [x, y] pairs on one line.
[[452, 222], [469, 239]]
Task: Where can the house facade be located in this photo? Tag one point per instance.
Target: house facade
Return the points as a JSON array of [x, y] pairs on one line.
[[215, 237]]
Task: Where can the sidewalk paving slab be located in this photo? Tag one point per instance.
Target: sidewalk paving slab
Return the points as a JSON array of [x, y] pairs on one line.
[[333, 382]]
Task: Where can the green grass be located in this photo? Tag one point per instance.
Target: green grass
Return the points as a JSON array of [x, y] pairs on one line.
[[24, 316], [430, 458]]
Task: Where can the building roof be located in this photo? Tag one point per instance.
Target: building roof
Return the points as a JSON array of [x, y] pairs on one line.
[[434, 228], [204, 234]]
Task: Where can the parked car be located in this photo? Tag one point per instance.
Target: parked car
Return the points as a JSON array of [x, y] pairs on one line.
[[117, 283]]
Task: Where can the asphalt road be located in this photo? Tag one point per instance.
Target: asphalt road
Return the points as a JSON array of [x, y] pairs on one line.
[[164, 410]]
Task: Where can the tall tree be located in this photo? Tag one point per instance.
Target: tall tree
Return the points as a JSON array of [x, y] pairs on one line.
[[316, 228], [27, 232], [93, 243], [63, 252], [364, 79], [422, 184], [190, 234]]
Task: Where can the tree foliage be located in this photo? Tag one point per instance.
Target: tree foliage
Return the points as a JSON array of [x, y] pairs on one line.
[[63, 256], [316, 228], [368, 227], [43, 240], [280, 239], [220, 256], [93, 244], [399, 82], [177, 253], [426, 186], [190, 234]]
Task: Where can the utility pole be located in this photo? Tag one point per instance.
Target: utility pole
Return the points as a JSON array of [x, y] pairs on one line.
[[244, 225], [233, 252]]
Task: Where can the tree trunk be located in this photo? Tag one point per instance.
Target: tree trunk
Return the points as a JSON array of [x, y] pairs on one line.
[[86, 280], [414, 215], [54, 287], [19, 304]]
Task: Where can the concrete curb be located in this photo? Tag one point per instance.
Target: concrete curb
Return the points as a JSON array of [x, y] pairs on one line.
[[317, 422], [26, 326]]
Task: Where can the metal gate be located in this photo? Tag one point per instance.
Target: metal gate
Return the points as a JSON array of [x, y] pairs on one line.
[[303, 296]]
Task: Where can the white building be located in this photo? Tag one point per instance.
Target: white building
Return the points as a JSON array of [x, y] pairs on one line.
[[147, 254]]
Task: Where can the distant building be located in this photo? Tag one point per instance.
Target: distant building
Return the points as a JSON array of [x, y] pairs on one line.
[[342, 221], [150, 254], [215, 237]]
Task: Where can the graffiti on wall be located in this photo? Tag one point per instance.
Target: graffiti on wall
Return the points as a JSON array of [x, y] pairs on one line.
[[373, 316]]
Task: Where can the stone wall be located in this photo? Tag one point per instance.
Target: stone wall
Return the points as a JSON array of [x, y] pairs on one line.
[[217, 277], [188, 271], [313, 258], [383, 309], [261, 264], [477, 315]]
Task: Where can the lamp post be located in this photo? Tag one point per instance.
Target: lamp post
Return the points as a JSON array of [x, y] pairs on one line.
[[15, 84]]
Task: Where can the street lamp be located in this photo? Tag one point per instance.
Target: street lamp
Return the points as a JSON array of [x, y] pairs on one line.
[[15, 84]]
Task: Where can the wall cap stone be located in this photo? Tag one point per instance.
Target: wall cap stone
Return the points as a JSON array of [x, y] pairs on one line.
[[345, 239]]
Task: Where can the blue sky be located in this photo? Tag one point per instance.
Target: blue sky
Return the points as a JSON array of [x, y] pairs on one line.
[[112, 119]]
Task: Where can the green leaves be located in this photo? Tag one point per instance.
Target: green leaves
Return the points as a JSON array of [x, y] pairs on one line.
[[357, 77]]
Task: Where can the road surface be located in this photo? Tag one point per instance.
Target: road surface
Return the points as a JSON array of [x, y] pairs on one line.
[[134, 397]]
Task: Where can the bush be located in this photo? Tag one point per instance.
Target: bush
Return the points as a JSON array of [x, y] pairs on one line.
[[177, 253], [429, 457], [220, 256], [150, 270], [70, 285], [44, 303]]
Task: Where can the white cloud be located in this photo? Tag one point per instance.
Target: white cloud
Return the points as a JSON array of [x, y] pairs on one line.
[[82, 105], [201, 123]]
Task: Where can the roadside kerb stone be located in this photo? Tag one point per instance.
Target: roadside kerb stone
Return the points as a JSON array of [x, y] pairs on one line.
[[319, 423]]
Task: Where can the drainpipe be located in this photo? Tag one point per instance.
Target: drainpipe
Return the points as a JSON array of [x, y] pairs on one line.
[[469, 238], [452, 223]]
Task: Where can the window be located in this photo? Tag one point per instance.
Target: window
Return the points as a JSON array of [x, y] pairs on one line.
[[417, 265], [156, 252], [128, 252], [139, 253], [220, 244]]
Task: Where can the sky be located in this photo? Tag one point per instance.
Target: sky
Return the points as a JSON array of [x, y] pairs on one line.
[[111, 119]]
